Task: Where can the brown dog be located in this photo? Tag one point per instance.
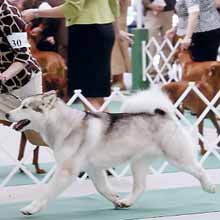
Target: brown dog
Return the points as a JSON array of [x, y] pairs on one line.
[[193, 71], [53, 68], [209, 86], [35, 139], [54, 78]]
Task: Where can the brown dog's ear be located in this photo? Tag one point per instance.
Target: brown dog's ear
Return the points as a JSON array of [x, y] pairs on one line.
[[49, 99], [213, 70]]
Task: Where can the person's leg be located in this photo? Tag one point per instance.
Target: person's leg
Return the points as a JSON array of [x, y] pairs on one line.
[[117, 65], [152, 23], [101, 66], [166, 24]]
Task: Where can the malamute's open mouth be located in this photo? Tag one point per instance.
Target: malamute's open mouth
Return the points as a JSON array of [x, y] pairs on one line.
[[21, 124]]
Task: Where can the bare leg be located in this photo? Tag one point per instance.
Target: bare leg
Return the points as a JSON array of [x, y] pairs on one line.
[[118, 81], [139, 170], [101, 183]]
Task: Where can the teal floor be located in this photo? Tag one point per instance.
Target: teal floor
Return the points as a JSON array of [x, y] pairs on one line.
[[157, 203]]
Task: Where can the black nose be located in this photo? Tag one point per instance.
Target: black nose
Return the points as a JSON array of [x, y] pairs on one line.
[[7, 115]]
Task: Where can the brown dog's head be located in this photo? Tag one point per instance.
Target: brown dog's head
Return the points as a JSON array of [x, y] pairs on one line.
[[213, 76], [182, 56]]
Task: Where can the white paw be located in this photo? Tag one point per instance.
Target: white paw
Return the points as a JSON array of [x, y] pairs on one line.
[[123, 203], [210, 188], [33, 208]]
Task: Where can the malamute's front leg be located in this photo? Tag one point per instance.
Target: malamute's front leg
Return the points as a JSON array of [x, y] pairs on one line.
[[59, 182], [101, 183], [139, 170]]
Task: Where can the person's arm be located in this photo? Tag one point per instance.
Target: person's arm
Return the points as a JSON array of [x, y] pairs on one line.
[[192, 23], [193, 11], [154, 7], [70, 9], [12, 71], [171, 33], [217, 4], [55, 12], [122, 35]]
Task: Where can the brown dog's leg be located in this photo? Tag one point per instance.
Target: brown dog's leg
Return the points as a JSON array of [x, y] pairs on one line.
[[201, 126], [35, 161], [23, 142], [215, 123]]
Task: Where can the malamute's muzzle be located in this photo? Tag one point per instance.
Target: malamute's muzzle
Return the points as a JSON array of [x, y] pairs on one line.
[[18, 126], [21, 124]]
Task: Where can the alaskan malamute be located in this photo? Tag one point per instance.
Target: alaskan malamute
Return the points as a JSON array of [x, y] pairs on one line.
[[93, 142]]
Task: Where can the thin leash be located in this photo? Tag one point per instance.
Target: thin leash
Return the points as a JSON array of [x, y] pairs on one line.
[[10, 94]]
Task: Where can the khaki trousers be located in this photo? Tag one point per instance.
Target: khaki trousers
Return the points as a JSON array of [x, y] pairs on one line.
[[157, 25]]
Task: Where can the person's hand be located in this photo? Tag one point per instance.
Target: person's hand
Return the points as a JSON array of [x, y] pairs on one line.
[[4, 77], [51, 40], [126, 36], [156, 8], [29, 14], [36, 31], [170, 33], [185, 43]]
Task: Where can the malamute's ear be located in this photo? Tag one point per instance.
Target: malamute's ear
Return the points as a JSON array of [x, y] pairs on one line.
[[49, 99]]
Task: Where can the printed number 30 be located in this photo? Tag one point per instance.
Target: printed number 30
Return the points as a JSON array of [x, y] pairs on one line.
[[16, 43]]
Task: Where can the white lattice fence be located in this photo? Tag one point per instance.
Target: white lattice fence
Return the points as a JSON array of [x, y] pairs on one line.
[[174, 73], [170, 71], [118, 96], [160, 62]]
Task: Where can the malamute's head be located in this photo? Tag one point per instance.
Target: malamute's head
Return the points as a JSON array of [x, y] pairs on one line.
[[32, 112]]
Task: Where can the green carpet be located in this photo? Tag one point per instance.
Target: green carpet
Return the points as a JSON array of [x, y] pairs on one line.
[[21, 178], [169, 202]]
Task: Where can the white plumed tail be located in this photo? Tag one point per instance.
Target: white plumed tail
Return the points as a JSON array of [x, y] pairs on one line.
[[149, 101]]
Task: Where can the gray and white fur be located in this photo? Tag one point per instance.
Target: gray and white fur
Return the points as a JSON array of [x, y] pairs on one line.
[[94, 142]]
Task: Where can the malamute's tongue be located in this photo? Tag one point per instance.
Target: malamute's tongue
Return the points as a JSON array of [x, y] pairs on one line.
[[21, 124]]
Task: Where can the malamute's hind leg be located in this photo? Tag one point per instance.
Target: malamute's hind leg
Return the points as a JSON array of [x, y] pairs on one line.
[[184, 159], [195, 169], [139, 170]]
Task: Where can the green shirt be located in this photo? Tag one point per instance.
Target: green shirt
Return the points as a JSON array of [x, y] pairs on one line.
[[90, 11]]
